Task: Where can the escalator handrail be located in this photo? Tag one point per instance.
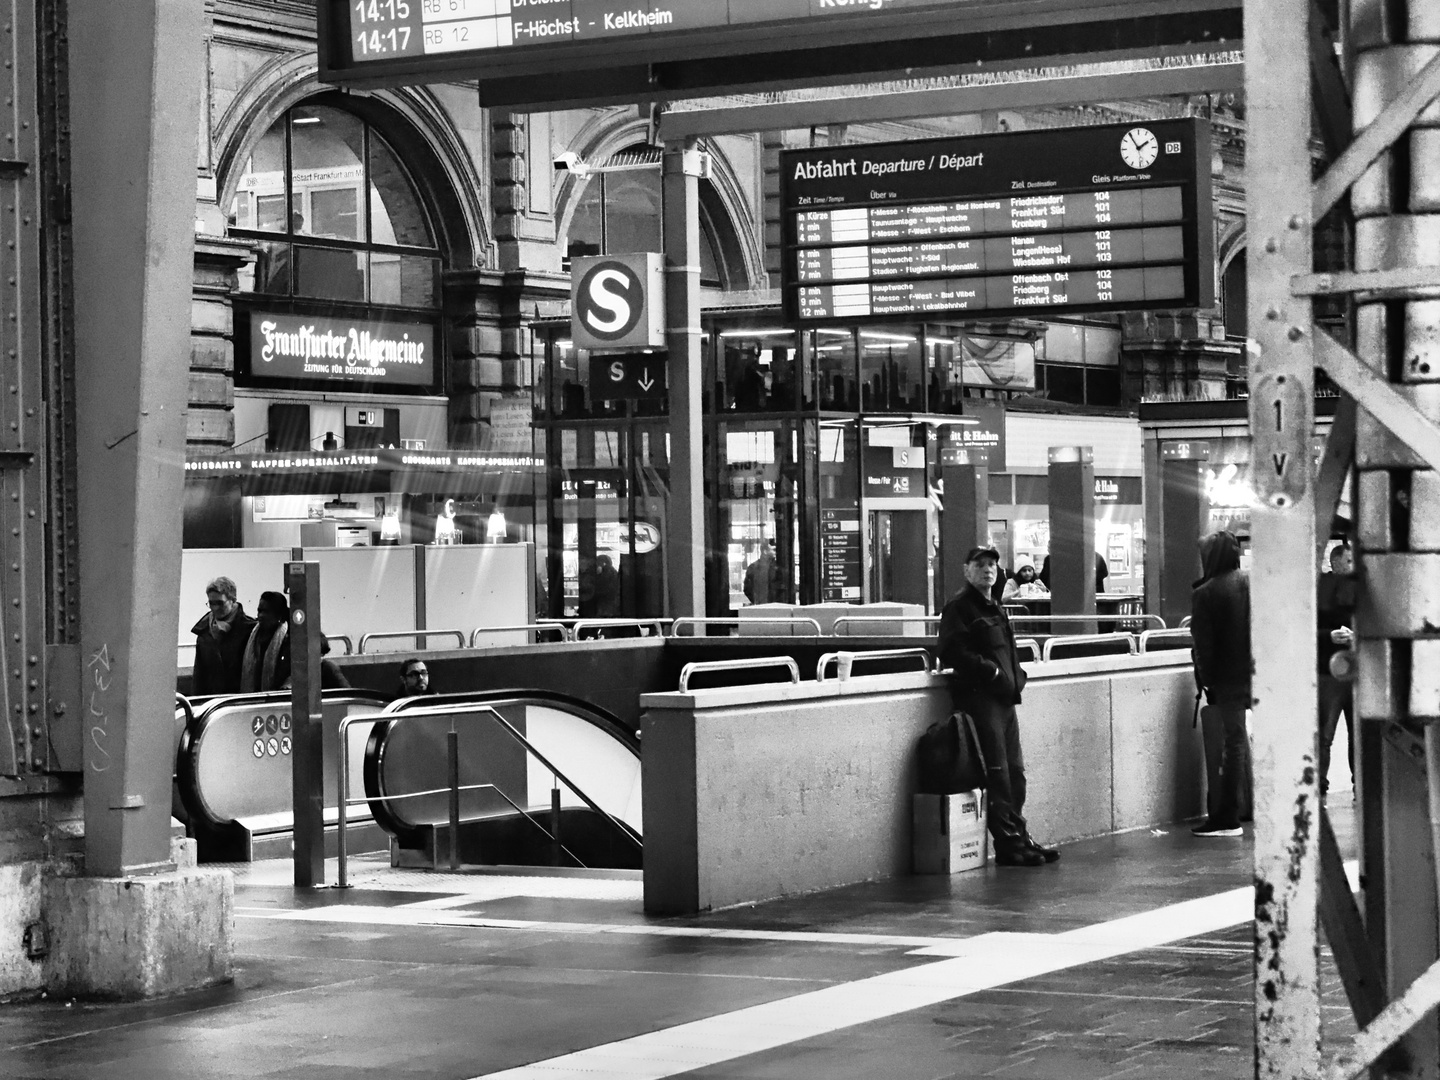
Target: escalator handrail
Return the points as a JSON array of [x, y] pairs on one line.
[[612, 725], [453, 710], [199, 719]]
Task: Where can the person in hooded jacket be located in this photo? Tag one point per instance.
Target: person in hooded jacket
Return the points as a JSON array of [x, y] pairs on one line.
[[1220, 631], [266, 663], [220, 639]]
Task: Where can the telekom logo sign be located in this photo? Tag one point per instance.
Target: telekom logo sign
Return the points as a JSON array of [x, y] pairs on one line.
[[617, 301], [610, 300]]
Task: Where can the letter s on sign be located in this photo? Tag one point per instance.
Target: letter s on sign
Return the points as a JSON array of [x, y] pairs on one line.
[[617, 372], [605, 299]]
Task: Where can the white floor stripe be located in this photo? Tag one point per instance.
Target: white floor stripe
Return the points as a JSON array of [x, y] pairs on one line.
[[979, 963]]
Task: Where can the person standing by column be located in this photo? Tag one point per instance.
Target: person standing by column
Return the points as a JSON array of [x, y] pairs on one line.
[[1335, 608], [1220, 630], [978, 645]]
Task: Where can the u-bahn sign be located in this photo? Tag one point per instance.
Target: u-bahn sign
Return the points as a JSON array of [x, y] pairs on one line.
[[618, 301], [1103, 218], [595, 51]]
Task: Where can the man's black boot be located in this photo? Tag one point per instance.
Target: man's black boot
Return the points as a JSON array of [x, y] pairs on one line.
[[1049, 854], [1018, 856]]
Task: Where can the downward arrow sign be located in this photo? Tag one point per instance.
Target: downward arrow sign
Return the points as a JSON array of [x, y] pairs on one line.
[[645, 382]]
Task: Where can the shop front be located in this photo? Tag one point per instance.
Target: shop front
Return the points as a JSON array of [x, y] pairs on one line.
[[826, 458]]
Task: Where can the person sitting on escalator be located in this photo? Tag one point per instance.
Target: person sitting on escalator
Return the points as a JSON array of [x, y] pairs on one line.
[[414, 678]]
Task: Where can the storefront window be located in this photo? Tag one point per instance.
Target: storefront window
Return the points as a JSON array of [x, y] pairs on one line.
[[757, 513], [835, 369], [961, 361], [325, 177], [758, 370], [892, 375]]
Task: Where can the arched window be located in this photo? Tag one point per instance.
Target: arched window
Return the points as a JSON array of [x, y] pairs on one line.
[[335, 215], [1235, 296], [621, 212]]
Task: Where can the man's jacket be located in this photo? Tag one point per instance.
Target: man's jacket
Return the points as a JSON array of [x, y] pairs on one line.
[[976, 641]]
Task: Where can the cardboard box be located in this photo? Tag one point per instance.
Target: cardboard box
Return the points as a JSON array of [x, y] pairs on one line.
[[949, 833]]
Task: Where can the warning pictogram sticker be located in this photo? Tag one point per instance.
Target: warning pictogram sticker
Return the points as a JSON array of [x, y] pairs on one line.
[[272, 747], [259, 748], [285, 744]]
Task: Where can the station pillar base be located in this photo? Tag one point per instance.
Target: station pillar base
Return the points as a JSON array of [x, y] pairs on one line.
[[139, 937]]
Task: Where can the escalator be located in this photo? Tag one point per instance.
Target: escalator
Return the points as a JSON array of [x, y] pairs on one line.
[[541, 779]]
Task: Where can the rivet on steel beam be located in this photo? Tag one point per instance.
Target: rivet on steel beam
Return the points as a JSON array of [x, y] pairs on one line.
[[38, 763], [1270, 245], [60, 709], [1296, 222], [36, 731], [34, 708], [1272, 314], [34, 660], [1294, 334]]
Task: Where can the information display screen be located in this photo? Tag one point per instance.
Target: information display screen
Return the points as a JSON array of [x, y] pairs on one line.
[[1087, 219], [376, 30]]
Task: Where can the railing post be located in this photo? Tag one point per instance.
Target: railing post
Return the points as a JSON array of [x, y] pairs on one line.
[[554, 822], [452, 753]]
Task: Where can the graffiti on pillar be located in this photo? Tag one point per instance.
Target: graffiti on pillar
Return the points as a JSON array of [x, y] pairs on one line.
[[99, 668]]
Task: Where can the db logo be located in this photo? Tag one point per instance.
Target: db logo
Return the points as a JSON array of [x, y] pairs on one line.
[[609, 300]]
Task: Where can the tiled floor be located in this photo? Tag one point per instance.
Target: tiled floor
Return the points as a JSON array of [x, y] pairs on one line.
[[1056, 972]]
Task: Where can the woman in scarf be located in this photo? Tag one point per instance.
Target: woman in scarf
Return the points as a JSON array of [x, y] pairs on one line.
[[267, 655]]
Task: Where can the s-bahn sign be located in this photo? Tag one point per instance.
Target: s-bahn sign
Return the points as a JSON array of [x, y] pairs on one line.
[[618, 301], [1103, 218]]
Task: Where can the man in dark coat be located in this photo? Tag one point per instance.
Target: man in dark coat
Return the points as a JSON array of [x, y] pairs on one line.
[[220, 639], [978, 645], [1335, 608], [1220, 630]]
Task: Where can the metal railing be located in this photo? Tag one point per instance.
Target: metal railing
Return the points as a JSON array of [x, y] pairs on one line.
[[845, 661], [701, 666], [1030, 645], [418, 635], [453, 788], [1067, 640], [1180, 637], [606, 624], [778, 620], [538, 627], [1155, 620], [846, 620], [345, 639]]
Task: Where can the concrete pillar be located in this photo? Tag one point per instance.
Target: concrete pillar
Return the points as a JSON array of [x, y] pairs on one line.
[[1183, 520], [136, 73], [685, 542], [964, 523], [1072, 530], [134, 926]]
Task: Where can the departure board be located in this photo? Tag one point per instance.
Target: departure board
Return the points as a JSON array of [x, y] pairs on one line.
[[1102, 218], [362, 33]]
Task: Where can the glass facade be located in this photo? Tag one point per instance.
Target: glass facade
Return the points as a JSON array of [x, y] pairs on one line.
[[823, 472]]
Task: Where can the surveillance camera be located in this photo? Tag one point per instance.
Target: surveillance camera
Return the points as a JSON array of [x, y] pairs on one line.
[[569, 161]]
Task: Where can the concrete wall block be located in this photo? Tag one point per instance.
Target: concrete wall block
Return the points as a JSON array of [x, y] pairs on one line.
[[211, 353], [211, 316], [132, 938], [508, 198], [480, 340], [210, 426], [21, 892], [211, 388], [1159, 767], [475, 373], [1065, 733]]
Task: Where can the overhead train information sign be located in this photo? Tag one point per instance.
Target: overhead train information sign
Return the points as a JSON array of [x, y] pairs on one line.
[[1101, 218], [588, 51]]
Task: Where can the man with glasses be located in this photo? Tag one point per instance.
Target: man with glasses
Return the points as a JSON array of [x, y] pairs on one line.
[[414, 678]]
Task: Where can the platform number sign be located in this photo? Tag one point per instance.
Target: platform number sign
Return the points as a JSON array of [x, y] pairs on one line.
[[616, 302]]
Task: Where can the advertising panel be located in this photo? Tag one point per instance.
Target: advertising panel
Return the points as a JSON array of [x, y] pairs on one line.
[[377, 353]]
